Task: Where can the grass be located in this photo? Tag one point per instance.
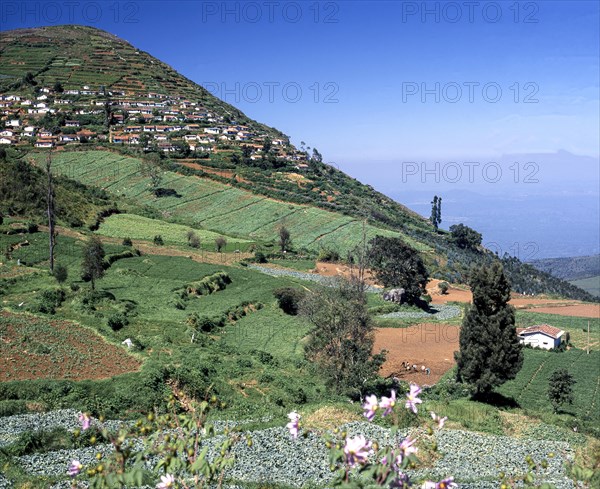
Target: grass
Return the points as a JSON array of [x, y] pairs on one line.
[[138, 227], [530, 387]]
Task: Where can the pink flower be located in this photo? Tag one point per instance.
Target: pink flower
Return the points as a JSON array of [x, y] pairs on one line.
[[444, 484], [294, 424], [166, 481], [388, 403], [85, 421], [74, 468], [406, 448], [438, 420], [370, 406], [412, 399], [357, 450]]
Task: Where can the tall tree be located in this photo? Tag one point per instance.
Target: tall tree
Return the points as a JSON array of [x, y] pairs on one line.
[[285, 239], [436, 211], [395, 264], [92, 267], [50, 210], [465, 237], [150, 166], [341, 342], [490, 352]]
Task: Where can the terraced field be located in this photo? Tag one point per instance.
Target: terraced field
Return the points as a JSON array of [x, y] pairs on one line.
[[138, 227], [218, 207], [530, 387]]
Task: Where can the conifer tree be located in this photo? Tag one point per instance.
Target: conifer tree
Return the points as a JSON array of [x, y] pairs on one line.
[[490, 352]]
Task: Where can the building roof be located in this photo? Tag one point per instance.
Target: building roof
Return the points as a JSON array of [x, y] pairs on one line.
[[541, 328]]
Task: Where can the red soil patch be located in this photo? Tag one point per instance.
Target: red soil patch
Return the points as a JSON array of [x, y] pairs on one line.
[[432, 345], [340, 270], [33, 347], [576, 310]]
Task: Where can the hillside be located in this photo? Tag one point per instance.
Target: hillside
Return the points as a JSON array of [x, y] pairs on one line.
[[106, 108], [571, 268]]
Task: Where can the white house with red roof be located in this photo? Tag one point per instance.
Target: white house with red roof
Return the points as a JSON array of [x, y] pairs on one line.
[[541, 336]]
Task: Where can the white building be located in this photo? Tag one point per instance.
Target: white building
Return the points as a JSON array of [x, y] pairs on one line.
[[541, 336]]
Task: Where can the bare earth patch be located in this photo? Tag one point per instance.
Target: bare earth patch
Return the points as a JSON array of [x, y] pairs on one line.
[[428, 344], [33, 347]]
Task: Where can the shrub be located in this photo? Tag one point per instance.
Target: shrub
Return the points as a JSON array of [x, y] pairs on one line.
[[117, 321], [194, 241], [48, 301], [220, 243], [328, 255], [61, 273], [10, 407], [259, 257], [127, 242], [212, 283], [289, 299], [443, 286], [158, 241], [32, 227]]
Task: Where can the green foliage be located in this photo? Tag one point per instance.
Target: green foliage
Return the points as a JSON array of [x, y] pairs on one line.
[[395, 264], [490, 353], [209, 284], [220, 243], [560, 388], [48, 301], [465, 237], [289, 298], [342, 338], [285, 239], [443, 286], [328, 255], [61, 273], [10, 407], [157, 240], [117, 321], [127, 242], [260, 257], [92, 267]]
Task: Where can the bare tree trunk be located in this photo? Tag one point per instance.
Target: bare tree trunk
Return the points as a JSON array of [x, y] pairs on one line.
[[50, 210]]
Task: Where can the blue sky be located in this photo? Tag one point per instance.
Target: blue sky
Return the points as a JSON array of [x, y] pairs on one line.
[[374, 86]]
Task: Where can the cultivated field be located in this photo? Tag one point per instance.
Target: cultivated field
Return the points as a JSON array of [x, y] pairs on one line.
[[217, 207], [429, 344], [138, 227], [34, 347]]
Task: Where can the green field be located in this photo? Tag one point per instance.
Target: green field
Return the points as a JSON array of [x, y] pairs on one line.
[[138, 227], [591, 284], [200, 202], [530, 387]]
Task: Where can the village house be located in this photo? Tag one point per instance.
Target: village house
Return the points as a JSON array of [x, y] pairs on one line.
[[6, 140], [44, 143], [540, 336], [72, 123]]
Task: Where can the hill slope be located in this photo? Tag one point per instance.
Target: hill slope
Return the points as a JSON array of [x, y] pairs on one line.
[[82, 89]]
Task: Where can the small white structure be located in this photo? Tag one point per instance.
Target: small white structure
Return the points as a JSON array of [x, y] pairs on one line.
[[541, 336], [128, 343]]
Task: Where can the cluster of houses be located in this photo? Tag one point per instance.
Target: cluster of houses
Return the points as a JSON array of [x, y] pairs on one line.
[[143, 120]]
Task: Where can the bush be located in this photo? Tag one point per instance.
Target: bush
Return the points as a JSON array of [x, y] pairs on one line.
[[61, 273], [48, 301], [194, 241], [158, 241], [259, 257], [212, 283], [289, 299], [443, 286], [117, 321], [11, 407], [127, 242], [327, 255], [32, 227]]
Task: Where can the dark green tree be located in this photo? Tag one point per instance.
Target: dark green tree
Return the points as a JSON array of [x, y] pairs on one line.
[[465, 237], [285, 239], [490, 352], [92, 267], [341, 342], [395, 264], [436, 211], [560, 388], [58, 88]]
